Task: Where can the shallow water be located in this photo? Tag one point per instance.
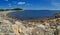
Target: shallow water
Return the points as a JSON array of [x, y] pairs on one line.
[[28, 14]]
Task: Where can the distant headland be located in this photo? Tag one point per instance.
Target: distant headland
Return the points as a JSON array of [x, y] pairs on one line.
[[11, 9]]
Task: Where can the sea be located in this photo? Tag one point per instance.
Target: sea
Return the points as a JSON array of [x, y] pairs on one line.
[[31, 14]]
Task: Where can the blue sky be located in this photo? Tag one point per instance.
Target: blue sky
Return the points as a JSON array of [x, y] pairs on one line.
[[31, 4]]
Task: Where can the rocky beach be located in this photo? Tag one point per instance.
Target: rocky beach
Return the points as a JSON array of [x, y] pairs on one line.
[[14, 26]]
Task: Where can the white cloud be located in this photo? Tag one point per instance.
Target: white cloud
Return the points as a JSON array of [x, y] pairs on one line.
[[55, 3], [21, 3], [14, 2], [6, 0], [28, 5], [9, 5]]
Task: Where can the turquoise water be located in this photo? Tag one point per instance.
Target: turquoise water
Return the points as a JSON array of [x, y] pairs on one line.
[[28, 14]]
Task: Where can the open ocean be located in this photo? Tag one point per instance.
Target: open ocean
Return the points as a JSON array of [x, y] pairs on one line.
[[28, 14]]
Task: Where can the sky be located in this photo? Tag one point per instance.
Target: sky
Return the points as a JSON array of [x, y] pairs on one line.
[[31, 4]]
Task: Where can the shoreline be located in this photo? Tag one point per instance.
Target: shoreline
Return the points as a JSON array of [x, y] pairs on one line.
[[6, 14], [29, 25]]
